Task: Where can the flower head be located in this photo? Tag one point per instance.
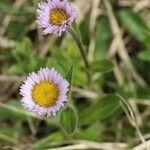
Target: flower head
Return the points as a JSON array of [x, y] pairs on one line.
[[55, 15], [44, 92]]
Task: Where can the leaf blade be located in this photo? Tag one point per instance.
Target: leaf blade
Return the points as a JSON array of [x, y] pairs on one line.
[[100, 110], [68, 120], [102, 66]]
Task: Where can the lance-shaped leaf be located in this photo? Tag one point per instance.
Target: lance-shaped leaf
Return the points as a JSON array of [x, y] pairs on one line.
[[102, 66]]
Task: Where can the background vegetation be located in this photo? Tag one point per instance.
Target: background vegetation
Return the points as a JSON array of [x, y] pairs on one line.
[[115, 30]]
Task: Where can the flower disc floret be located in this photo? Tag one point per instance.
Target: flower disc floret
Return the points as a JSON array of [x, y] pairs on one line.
[[57, 17], [45, 93]]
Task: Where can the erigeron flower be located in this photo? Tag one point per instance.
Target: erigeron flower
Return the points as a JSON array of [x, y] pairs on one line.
[[44, 92], [55, 16]]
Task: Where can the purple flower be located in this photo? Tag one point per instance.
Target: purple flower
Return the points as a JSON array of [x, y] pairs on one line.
[[44, 92], [55, 15]]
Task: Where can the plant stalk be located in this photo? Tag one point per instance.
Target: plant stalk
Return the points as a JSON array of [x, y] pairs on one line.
[[82, 51]]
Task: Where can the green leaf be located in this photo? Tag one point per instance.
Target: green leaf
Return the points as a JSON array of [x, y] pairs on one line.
[[16, 69], [76, 28], [144, 55], [135, 26], [69, 76], [89, 132], [8, 113], [20, 55], [69, 79], [48, 141], [102, 66], [53, 63], [102, 37], [11, 131], [100, 110], [84, 28], [68, 120]]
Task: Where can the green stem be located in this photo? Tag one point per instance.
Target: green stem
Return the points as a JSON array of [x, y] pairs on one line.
[[82, 52]]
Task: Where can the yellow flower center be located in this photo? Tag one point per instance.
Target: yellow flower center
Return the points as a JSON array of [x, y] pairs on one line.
[[57, 16], [45, 93]]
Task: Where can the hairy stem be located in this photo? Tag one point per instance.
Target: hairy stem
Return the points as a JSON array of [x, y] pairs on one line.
[[81, 49]]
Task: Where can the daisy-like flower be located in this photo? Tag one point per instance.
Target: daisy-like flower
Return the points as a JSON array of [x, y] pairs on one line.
[[55, 15], [44, 92]]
